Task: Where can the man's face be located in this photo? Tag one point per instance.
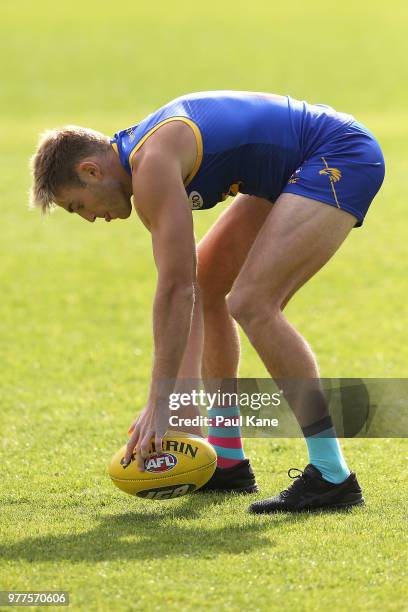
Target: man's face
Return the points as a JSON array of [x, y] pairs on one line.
[[104, 196]]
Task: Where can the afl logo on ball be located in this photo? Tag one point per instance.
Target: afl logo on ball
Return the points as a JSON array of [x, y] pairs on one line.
[[196, 200], [160, 463]]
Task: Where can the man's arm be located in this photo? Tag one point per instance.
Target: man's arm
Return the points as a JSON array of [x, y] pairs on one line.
[[161, 200]]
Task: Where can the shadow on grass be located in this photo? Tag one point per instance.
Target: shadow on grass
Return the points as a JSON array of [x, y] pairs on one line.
[[146, 535]]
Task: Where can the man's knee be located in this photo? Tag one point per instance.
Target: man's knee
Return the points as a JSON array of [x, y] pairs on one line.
[[241, 306], [213, 277], [251, 307]]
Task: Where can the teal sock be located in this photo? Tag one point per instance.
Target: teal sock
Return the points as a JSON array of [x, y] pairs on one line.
[[325, 454], [226, 438]]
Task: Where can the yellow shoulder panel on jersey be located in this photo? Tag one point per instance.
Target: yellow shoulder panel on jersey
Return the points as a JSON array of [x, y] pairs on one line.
[[197, 135]]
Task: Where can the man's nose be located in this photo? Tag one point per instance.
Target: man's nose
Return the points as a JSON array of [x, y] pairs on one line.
[[88, 216]]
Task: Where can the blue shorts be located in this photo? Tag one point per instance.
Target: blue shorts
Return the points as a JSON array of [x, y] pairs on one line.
[[346, 172]]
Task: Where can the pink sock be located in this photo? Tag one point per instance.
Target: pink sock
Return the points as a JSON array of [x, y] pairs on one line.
[[225, 437]]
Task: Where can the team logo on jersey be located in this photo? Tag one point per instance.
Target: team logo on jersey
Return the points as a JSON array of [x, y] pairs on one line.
[[233, 190], [196, 200], [160, 463], [334, 174], [130, 134]]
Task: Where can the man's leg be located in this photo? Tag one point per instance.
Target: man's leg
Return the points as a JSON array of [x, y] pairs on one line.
[[221, 255], [297, 239]]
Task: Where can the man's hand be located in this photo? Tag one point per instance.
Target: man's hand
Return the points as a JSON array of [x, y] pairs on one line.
[[151, 425]]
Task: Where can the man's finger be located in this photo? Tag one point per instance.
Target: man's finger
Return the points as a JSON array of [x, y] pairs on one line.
[[134, 428], [139, 458], [128, 456], [145, 444], [140, 462], [158, 443], [130, 446]]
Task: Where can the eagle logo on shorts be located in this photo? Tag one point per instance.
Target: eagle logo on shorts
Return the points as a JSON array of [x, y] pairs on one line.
[[333, 173]]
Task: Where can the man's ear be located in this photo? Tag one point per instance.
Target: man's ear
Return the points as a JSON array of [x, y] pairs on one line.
[[89, 171]]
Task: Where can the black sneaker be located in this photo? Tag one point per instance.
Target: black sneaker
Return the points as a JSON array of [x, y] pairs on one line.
[[311, 492], [239, 478]]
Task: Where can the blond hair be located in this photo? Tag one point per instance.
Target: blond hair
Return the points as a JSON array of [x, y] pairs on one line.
[[53, 165]]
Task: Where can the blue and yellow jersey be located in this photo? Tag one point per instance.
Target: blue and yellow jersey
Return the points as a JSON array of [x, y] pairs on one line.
[[246, 142]]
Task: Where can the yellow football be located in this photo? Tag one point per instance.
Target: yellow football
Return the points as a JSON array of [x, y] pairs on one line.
[[186, 464]]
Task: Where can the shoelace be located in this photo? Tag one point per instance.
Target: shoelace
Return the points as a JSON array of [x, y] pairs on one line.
[[300, 481], [299, 475]]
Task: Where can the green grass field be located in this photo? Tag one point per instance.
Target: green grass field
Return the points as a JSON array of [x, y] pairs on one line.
[[75, 333]]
